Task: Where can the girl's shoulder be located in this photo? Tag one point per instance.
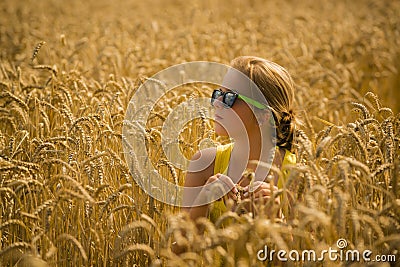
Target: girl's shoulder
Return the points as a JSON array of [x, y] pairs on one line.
[[210, 161], [203, 160]]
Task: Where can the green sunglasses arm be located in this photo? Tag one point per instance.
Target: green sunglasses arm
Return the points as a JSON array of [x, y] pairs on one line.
[[252, 102]]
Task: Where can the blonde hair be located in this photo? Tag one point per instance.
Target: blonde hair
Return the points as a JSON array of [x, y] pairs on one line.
[[277, 87]]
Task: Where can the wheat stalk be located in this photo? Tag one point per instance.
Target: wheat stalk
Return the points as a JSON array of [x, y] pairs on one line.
[[72, 239], [36, 50]]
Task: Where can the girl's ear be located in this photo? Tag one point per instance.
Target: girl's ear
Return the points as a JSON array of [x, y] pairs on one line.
[[264, 116]]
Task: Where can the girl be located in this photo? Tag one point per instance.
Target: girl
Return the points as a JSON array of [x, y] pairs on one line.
[[254, 107]]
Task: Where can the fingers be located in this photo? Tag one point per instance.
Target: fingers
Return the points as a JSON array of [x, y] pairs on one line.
[[227, 184], [261, 190], [265, 199], [259, 186], [232, 196], [263, 193], [227, 181]]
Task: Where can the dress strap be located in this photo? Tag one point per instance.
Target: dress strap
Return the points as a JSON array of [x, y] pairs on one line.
[[222, 158], [288, 159]]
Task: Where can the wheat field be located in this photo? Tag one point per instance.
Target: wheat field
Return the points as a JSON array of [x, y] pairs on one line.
[[69, 69]]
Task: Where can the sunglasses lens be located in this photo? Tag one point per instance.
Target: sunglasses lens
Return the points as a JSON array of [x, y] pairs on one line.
[[229, 99], [215, 95]]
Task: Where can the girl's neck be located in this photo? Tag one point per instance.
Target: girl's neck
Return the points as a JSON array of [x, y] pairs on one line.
[[254, 144], [252, 147]]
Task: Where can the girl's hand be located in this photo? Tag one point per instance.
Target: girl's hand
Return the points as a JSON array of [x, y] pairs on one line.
[[262, 192], [225, 183]]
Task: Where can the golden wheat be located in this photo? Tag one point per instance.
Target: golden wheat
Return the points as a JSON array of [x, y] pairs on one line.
[[69, 197]]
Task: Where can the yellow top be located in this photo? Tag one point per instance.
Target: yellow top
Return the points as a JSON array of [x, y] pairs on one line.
[[221, 166]]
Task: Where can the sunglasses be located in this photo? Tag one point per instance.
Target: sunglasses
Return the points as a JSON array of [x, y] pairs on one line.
[[229, 98]]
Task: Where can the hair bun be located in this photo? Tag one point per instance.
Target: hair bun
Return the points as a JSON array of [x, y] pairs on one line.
[[286, 130], [287, 117]]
